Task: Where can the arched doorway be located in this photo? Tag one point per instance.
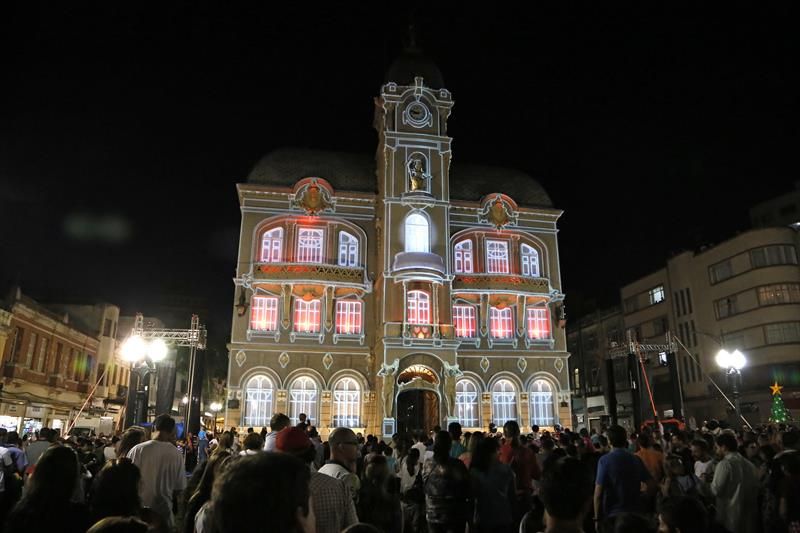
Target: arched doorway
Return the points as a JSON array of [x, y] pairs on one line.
[[417, 401]]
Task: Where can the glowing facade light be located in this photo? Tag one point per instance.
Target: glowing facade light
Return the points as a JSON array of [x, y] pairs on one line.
[[134, 349], [735, 360], [157, 350]]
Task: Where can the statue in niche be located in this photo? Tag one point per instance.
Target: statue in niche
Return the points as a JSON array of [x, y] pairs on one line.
[[417, 174], [451, 373], [387, 372]]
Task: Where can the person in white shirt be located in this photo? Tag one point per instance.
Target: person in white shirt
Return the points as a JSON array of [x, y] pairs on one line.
[[161, 465], [252, 444], [110, 451], [278, 422], [702, 460]]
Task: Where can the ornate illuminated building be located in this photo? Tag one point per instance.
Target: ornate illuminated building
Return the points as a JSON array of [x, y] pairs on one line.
[[397, 292]]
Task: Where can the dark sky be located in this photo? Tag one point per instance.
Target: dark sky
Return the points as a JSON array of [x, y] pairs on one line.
[[123, 130]]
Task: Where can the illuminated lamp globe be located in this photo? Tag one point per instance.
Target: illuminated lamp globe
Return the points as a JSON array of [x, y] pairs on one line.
[[157, 350], [134, 349], [738, 360]]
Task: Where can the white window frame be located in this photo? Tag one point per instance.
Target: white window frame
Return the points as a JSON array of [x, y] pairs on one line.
[[304, 398], [418, 307], [782, 333], [346, 404], [349, 317], [272, 246], [497, 257], [462, 257], [538, 319], [503, 318], [307, 313], [504, 402], [529, 259], [465, 321], [310, 245], [259, 394], [467, 403], [542, 403], [348, 250], [656, 295], [417, 233], [264, 313]]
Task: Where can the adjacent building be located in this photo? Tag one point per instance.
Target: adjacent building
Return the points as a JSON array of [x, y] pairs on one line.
[[400, 291]]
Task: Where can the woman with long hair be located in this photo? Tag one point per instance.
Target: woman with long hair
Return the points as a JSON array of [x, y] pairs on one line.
[[493, 488], [115, 492], [202, 494], [49, 496], [448, 495], [379, 498], [129, 439]]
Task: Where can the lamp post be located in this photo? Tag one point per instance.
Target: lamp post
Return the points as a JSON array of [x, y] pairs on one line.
[[215, 408], [732, 363], [143, 356]]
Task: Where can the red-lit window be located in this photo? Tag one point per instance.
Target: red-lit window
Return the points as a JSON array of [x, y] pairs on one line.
[[462, 253], [464, 320], [419, 307], [348, 317], [306, 316], [272, 245], [309, 245], [501, 323], [539, 323], [264, 313], [497, 257]]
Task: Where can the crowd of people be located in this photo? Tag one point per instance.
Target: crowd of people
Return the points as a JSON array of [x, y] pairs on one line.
[[286, 479]]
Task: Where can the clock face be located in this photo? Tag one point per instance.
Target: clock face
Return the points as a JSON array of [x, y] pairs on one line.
[[417, 114]]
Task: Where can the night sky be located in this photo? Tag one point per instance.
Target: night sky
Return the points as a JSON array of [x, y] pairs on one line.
[[123, 131]]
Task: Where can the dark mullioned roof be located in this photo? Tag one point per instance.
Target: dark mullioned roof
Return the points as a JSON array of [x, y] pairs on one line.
[[356, 172]]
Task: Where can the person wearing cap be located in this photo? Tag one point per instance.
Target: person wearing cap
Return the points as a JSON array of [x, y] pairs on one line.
[[344, 456], [334, 509]]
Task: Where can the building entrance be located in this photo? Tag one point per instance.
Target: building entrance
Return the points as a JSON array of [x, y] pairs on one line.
[[417, 410]]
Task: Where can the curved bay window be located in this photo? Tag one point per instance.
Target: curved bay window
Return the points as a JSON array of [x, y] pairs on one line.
[[497, 257], [529, 261], [538, 323], [303, 395], [542, 406], [259, 394], [346, 403], [467, 403], [306, 316], [501, 322], [348, 250], [504, 402], [272, 246], [310, 245], [417, 234], [462, 256]]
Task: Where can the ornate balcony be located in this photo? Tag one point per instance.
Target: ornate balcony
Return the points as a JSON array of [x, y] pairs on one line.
[[513, 283], [418, 266], [309, 273]]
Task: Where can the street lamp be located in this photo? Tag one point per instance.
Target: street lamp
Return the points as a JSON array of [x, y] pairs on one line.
[[142, 355], [733, 363], [215, 408]]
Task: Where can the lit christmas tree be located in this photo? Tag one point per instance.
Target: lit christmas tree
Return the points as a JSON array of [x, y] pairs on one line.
[[778, 413]]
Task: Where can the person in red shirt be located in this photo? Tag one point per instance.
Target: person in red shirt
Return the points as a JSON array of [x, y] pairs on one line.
[[523, 463]]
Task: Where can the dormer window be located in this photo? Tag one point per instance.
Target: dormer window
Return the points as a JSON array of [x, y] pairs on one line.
[[417, 233], [529, 259], [462, 253], [497, 257], [310, 245], [348, 249], [272, 246]]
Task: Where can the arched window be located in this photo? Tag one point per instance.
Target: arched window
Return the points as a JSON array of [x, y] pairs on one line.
[[501, 323], [259, 393], [346, 403], [417, 234], [348, 249], [542, 406], [310, 243], [462, 253], [529, 257], [504, 402], [272, 246], [467, 403], [303, 397], [418, 308]]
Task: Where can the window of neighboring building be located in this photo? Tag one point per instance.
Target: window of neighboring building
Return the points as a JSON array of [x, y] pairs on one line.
[[542, 403], [689, 299], [464, 321], [576, 379], [773, 255], [417, 233], [107, 327], [720, 271], [657, 295], [306, 316], [87, 367], [660, 326], [782, 293], [303, 399], [16, 346], [310, 245], [467, 403], [529, 259], [462, 253], [272, 246], [631, 304], [418, 308], [348, 249], [501, 322], [726, 306], [539, 323], [31, 349], [42, 359], [497, 257], [264, 313], [259, 394], [504, 402], [783, 333], [57, 361], [348, 317], [346, 403]]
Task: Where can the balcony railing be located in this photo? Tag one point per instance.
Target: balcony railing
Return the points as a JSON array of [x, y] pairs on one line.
[[503, 282], [312, 272]]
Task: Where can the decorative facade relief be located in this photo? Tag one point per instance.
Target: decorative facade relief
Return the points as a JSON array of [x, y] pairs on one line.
[[498, 210], [241, 358], [283, 359], [522, 364], [485, 364], [314, 196], [327, 361]]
